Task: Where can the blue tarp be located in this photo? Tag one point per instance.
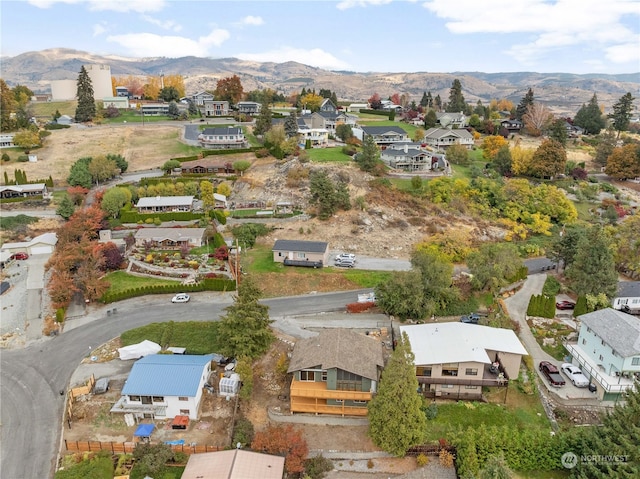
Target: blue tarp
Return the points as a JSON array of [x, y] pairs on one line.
[[144, 430], [177, 442]]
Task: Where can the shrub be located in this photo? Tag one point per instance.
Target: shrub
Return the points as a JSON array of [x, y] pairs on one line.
[[316, 467], [360, 307], [5, 157], [422, 460], [23, 158], [431, 411], [60, 314], [370, 464], [243, 431], [446, 458]]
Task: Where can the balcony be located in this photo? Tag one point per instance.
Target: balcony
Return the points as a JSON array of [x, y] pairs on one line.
[[311, 397], [488, 378], [616, 383]]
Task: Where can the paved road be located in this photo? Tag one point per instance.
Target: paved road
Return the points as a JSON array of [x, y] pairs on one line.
[[33, 377]]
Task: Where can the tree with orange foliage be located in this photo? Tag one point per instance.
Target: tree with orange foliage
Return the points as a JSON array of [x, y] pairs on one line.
[[283, 439], [491, 145], [229, 89]]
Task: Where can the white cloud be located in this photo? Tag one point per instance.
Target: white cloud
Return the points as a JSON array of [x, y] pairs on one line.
[[164, 24], [550, 24], [251, 20], [98, 29], [151, 45], [139, 6], [346, 4], [624, 53], [314, 57]]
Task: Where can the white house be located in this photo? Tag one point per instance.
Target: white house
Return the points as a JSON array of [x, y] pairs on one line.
[[608, 351], [119, 102], [628, 295], [444, 137], [6, 140], [164, 204], [42, 244], [164, 386], [456, 360]]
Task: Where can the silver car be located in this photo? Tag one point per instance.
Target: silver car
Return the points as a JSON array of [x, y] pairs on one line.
[[575, 375]]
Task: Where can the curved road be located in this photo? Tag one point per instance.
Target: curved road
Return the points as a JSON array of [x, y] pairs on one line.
[[31, 378]]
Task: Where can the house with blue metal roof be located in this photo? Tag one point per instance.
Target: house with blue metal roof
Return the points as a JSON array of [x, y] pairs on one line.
[[164, 386]]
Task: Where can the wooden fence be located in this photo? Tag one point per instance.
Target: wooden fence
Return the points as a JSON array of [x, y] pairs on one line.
[[430, 450], [82, 390], [128, 447]]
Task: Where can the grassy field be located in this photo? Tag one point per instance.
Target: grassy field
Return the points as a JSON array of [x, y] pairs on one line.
[[121, 281], [200, 337], [44, 110], [328, 155]]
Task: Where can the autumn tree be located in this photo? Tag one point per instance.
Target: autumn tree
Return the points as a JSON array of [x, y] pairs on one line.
[[456, 102], [244, 328], [152, 88], [418, 135], [621, 115], [537, 119], [491, 145], [86, 109], [27, 139], [8, 106], [522, 160], [493, 265], [458, 155], [102, 168], [549, 159], [176, 82], [229, 89], [375, 102], [283, 439], [624, 162], [524, 105], [593, 268], [590, 117], [115, 199], [311, 102], [605, 147], [396, 420], [113, 258], [206, 194]]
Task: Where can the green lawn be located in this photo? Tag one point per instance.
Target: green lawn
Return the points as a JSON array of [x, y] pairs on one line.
[[366, 279], [328, 155], [199, 337], [122, 281], [410, 129]]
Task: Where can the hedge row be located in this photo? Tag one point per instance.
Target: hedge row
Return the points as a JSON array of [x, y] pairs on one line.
[[360, 307], [207, 284], [376, 112], [18, 200], [542, 306], [134, 216], [229, 151], [186, 158], [521, 274]]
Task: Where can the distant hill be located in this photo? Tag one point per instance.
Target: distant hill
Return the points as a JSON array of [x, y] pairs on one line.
[[564, 93]]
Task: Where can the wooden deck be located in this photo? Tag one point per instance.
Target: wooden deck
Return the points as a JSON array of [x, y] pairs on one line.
[[311, 397]]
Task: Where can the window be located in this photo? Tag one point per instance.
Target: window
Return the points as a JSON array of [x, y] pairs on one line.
[[134, 398], [423, 371], [307, 376], [324, 376], [584, 341], [602, 342], [471, 371], [357, 401], [183, 398], [347, 381], [158, 398], [340, 401], [635, 361], [300, 255], [447, 386], [185, 412], [588, 330], [600, 357], [450, 369], [146, 400], [471, 387]]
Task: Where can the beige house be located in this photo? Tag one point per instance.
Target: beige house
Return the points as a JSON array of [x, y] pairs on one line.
[[234, 464], [164, 204], [301, 253], [170, 238], [455, 360]]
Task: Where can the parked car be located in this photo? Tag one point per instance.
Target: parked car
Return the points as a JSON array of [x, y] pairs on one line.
[[181, 298], [550, 371], [627, 309], [565, 305], [575, 375], [472, 318], [342, 256], [20, 256], [345, 263]]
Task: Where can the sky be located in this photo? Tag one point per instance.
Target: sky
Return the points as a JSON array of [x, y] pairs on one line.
[[572, 36]]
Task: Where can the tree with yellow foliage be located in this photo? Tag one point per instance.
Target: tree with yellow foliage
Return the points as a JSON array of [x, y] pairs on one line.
[[491, 145], [311, 101], [521, 160]]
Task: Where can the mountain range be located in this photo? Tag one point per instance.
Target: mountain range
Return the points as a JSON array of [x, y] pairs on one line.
[[564, 93]]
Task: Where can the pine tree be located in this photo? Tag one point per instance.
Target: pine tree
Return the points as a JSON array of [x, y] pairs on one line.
[[86, 109], [424, 101], [66, 207], [263, 120], [524, 104], [456, 99], [590, 118], [621, 115], [291, 125], [396, 420], [370, 154]]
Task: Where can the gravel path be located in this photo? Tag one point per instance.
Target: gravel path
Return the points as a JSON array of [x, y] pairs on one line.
[[13, 303]]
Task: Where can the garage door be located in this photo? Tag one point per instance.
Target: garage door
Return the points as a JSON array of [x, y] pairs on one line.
[[41, 250]]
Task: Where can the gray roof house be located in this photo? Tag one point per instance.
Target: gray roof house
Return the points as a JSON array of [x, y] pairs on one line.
[[160, 204], [412, 159], [229, 137], [386, 135], [336, 372], [608, 351], [628, 295], [451, 120], [170, 238], [301, 253], [444, 137]]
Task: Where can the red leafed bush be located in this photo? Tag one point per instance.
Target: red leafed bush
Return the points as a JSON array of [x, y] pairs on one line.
[[360, 307]]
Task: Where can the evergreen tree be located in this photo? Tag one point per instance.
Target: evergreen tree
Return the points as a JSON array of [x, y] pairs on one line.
[[605, 147], [66, 207], [263, 121], [193, 109], [369, 156], [558, 131], [396, 420], [86, 109], [174, 112], [621, 115], [590, 118], [456, 102], [430, 119], [324, 194], [244, 330], [524, 104], [593, 268], [502, 161], [291, 125], [429, 100], [437, 103], [424, 101]]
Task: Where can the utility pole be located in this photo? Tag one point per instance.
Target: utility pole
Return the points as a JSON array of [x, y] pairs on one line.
[[237, 270]]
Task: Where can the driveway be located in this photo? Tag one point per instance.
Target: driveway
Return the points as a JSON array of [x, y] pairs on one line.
[[517, 307]]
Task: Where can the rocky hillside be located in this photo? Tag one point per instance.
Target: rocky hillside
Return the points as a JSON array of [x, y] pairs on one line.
[[564, 92]]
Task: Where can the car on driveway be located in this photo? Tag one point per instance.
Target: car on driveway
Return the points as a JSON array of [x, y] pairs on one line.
[[345, 262], [472, 318], [181, 298], [575, 375], [342, 256], [565, 305], [20, 256], [550, 371]]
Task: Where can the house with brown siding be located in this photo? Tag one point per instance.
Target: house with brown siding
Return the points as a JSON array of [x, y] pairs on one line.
[[170, 238], [208, 165], [336, 372], [456, 360]]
